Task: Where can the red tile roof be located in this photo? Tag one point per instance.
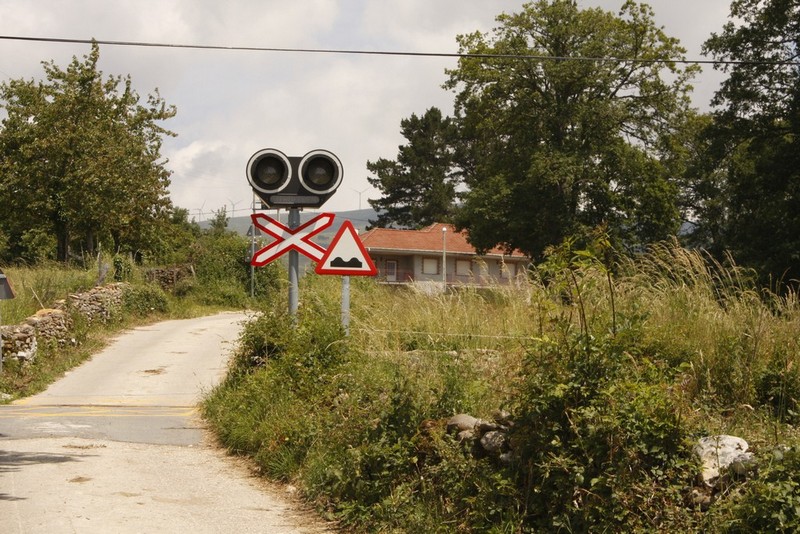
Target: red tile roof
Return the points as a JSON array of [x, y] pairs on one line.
[[426, 240]]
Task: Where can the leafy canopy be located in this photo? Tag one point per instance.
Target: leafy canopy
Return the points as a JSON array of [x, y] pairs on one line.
[[756, 136], [80, 159], [419, 187], [561, 143]]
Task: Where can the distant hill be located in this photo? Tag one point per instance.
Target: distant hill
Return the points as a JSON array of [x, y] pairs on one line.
[[359, 218]]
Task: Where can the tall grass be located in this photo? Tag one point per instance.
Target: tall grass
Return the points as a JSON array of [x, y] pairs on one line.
[[39, 287], [610, 369]]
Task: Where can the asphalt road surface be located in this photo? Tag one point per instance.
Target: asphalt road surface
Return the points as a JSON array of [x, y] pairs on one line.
[[116, 446]]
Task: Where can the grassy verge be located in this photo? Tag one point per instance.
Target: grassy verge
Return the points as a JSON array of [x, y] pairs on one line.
[[610, 371], [40, 287]]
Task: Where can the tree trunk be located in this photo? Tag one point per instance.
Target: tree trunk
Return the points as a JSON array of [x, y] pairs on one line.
[[62, 237], [90, 242]]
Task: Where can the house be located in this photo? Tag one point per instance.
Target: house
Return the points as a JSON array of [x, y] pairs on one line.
[[403, 256]]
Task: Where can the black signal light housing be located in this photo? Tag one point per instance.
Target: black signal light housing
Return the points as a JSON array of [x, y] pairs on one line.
[[282, 181]]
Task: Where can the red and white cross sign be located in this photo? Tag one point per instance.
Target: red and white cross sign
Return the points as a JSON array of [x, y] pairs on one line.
[[287, 239]]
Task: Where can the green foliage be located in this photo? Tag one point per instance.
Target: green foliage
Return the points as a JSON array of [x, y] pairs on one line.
[[611, 366], [600, 440], [756, 137], [768, 503], [173, 245], [349, 425], [222, 265], [80, 160], [553, 147], [219, 223], [123, 268], [37, 246], [142, 301], [419, 188], [40, 287]]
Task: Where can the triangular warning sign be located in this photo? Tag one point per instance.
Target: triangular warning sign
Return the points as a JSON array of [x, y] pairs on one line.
[[346, 255]]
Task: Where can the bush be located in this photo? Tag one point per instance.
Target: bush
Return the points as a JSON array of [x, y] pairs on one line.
[[600, 440], [768, 503], [142, 301], [222, 267]]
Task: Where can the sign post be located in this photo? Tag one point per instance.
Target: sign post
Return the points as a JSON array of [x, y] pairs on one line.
[[294, 266], [6, 293], [294, 239]]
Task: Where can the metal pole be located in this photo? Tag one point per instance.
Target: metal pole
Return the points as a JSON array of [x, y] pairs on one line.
[[294, 265], [1, 340], [253, 253], [346, 305]]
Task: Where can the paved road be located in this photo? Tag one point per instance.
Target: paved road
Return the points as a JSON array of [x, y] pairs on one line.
[[116, 445]]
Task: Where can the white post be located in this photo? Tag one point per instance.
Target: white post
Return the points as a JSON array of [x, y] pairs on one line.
[[253, 253], [444, 258], [346, 305]]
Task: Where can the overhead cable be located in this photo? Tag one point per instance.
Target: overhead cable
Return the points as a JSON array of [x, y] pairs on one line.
[[457, 55]]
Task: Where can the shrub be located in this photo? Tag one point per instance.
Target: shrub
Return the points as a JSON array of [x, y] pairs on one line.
[[600, 440], [222, 266], [142, 301], [768, 503], [611, 370]]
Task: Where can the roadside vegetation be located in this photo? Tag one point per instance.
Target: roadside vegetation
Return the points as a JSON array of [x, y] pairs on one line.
[[221, 282], [611, 369]]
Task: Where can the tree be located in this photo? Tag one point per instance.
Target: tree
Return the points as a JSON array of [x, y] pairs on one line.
[[419, 188], [218, 225], [80, 159], [564, 114], [757, 135]]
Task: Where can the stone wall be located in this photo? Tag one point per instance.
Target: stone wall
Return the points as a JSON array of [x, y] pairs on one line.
[[54, 325], [168, 277]]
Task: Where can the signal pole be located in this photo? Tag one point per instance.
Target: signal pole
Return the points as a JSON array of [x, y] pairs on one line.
[[294, 265]]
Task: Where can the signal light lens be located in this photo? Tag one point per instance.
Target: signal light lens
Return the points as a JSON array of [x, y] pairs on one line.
[[321, 171], [269, 171]]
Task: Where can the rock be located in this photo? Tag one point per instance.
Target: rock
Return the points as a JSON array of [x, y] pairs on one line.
[[465, 435], [54, 325], [461, 422], [493, 442], [502, 418], [701, 498], [169, 277], [743, 464], [718, 453], [486, 426]]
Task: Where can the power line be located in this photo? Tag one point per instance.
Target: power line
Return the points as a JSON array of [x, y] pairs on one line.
[[533, 57]]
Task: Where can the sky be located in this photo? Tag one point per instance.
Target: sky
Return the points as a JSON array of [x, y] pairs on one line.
[[230, 104]]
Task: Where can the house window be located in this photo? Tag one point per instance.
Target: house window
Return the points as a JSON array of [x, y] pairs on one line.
[[430, 266], [463, 267], [506, 270], [391, 271]]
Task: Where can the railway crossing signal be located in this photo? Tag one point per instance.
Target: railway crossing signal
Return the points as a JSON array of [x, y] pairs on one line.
[[282, 181]]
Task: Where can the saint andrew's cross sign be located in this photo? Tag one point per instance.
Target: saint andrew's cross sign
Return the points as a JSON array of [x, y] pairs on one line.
[[346, 255], [287, 239]]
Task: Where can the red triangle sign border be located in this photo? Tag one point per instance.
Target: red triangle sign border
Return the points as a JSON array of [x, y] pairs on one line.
[[369, 270]]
